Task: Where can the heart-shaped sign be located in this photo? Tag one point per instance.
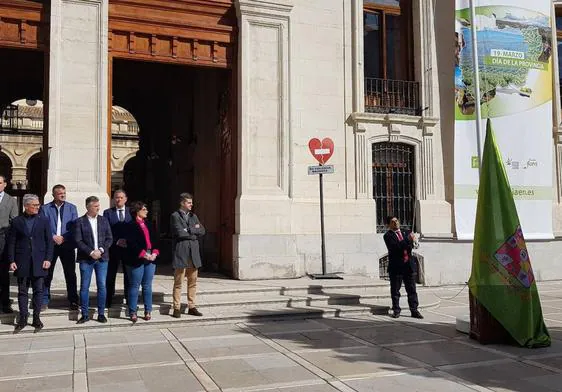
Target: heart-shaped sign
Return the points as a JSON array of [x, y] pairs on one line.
[[321, 150]]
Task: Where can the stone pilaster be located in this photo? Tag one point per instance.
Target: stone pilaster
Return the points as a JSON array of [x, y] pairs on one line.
[[263, 204], [433, 213], [78, 136]]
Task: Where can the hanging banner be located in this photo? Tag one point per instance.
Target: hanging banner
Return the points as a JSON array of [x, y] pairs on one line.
[[514, 44]]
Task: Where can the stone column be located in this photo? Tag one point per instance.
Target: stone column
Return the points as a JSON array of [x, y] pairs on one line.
[[19, 177], [263, 245], [433, 212], [78, 82]]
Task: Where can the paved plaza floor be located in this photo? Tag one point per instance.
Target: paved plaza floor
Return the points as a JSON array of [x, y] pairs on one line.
[[363, 353]]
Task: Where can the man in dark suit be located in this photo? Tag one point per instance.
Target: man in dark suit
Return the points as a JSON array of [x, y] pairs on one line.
[[118, 216], [401, 266], [93, 238], [186, 231], [8, 211], [30, 251], [62, 215]]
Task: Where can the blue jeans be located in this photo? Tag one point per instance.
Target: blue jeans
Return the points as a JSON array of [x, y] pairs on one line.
[[87, 267], [140, 276]]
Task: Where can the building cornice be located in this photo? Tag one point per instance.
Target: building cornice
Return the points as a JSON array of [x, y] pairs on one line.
[[374, 118], [264, 7]]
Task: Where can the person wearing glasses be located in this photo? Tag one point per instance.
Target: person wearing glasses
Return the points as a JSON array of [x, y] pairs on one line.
[[140, 261], [30, 252]]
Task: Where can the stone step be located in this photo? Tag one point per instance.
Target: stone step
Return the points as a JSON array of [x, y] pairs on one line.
[[160, 318]]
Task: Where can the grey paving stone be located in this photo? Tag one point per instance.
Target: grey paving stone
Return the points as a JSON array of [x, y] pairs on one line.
[[52, 341], [315, 340], [508, 376], [438, 354], [11, 345], [139, 336], [34, 364], [108, 357], [226, 346], [354, 322], [418, 381], [393, 334], [555, 348], [349, 362], [256, 371], [302, 388], [554, 362], [150, 379], [105, 357], [43, 384], [194, 332], [440, 324], [287, 326]]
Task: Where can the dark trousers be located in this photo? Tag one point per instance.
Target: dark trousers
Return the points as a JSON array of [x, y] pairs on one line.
[[116, 258], [68, 259], [23, 295], [409, 279], [4, 272]]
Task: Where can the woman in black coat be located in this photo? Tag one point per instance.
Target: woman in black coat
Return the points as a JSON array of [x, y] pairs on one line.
[[140, 261]]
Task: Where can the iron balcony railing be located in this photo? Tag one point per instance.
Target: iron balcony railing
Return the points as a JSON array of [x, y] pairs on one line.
[[392, 96]]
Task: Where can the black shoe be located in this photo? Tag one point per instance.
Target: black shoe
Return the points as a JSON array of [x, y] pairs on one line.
[[7, 309], [177, 313], [416, 314], [74, 306], [102, 319], [194, 312], [395, 314], [37, 324], [83, 320], [22, 322]]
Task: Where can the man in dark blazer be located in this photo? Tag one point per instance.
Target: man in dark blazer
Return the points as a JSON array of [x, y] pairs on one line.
[[8, 211], [62, 215], [93, 238], [30, 251], [186, 231], [401, 266], [118, 216]]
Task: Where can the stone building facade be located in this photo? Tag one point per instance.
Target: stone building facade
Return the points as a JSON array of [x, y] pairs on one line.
[[293, 70]]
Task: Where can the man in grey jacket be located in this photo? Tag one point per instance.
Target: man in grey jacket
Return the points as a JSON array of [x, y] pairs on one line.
[[8, 211], [186, 231]]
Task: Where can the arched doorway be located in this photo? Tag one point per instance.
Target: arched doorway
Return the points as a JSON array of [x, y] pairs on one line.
[[35, 175], [394, 183], [124, 145]]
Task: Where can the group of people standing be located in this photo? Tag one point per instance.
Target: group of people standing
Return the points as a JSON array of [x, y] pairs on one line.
[[31, 244]]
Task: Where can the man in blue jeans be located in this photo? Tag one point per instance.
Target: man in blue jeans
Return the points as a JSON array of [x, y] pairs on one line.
[[93, 238], [61, 215]]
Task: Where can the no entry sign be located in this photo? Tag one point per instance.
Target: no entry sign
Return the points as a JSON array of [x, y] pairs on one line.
[[321, 150]]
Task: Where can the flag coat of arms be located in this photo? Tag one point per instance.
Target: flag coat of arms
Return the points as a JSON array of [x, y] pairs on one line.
[[502, 278]]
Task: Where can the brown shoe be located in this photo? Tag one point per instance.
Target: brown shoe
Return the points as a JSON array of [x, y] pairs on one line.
[[194, 312], [177, 313], [147, 316]]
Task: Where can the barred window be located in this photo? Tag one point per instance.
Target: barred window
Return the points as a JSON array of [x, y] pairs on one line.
[[394, 183]]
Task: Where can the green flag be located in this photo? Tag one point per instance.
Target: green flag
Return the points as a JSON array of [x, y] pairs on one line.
[[502, 279]]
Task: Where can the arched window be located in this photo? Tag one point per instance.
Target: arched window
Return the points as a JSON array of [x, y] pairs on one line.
[[394, 183]]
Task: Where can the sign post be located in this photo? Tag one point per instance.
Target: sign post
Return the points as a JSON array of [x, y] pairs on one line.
[[322, 151]]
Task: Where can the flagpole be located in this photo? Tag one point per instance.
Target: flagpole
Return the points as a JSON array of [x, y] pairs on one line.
[[476, 82]]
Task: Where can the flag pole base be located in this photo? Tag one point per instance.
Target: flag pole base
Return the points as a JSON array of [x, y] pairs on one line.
[[463, 324], [483, 326], [325, 276]]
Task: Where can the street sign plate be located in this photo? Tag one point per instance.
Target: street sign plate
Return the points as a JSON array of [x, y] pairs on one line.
[[320, 169]]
